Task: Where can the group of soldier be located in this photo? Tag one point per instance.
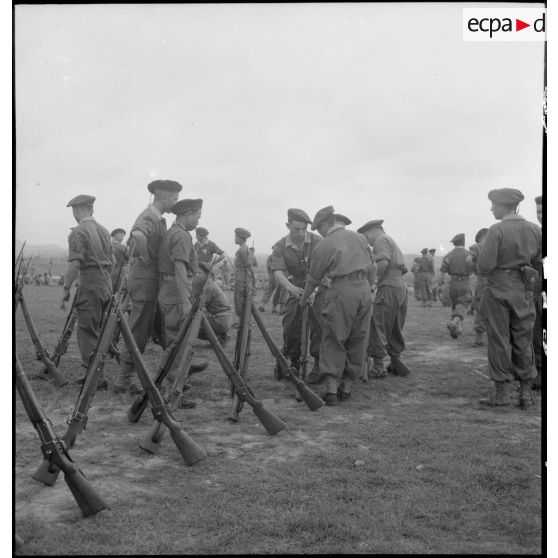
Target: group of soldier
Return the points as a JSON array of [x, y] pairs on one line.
[[352, 280]]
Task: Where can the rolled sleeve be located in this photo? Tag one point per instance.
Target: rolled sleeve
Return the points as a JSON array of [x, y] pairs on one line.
[[278, 260], [180, 249], [381, 250], [145, 225], [76, 247], [488, 257]]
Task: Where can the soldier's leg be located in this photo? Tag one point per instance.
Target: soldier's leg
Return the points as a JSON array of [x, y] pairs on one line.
[[316, 337], [428, 282], [89, 311], [538, 341], [395, 339], [377, 349], [292, 323], [271, 284], [221, 324], [522, 320]]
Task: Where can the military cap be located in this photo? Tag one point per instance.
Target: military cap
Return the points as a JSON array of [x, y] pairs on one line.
[[479, 234], [370, 224], [165, 185], [321, 215], [506, 196], [538, 200], [201, 231], [82, 199], [294, 214], [424, 251], [342, 218], [182, 206], [242, 233], [458, 238], [432, 250], [116, 231]]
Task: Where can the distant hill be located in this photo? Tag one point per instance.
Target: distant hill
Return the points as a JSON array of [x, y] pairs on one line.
[[41, 250]]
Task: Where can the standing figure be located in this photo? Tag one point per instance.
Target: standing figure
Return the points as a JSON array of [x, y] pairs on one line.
[[90, 255], [343, 258], [416, 279], [242, 267], [433, 287], [205, 248], [540, 357], [511, 253], [143, 278], [425, 266], [290, 262], [479, 321], [456, 265], [119, 251], [389, 308]]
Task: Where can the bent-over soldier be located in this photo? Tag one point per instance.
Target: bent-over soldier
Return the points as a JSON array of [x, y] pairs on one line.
[[389, 308], [511, 253], [90, 255], [344, 258], [479, 321], [456, 265]]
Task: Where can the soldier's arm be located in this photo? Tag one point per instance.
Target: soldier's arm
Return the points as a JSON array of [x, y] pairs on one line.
[[382, 266], [488, 257], [182, 281], [141, 245], [284, 282], [443, 269]]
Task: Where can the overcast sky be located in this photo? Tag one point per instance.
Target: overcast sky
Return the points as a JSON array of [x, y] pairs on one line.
[[381, 110]]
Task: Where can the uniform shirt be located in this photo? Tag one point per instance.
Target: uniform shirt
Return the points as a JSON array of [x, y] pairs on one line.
[[340, 253], [215, 299], [291, 260], [153, 225], [90, 244], [385, 248], [455, 262], [119, 251], [431, 260], [425, 264], [510, 244], [242, 258], [206, 251], [475, 250], [177, 246]]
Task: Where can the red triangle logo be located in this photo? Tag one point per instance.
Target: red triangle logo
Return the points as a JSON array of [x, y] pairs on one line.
[[519, 25]]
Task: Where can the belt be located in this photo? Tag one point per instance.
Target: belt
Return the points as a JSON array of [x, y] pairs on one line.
[[170, 277], [355, 276], [513, 272]]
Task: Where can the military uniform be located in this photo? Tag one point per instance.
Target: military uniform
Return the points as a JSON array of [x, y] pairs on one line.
[[425, 270], [389, 308], [343, 257], [89, 244], [507, 303], [119, 251], [479, 321], [456, 265], [242, 270], [206, 250], [538, 327], [217, 309], [294, 263]]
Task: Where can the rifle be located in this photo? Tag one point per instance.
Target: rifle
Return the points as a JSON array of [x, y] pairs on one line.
[[50, 371], [271, 423], [135, 410], [313, 401], [305, 336], [55, 452], [19, 260], [18, 284], [189, 450], [152, 441], [67, 330]]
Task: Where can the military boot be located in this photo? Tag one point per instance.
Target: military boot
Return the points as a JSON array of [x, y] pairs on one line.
[[479, 341], [315, 376], [525, 394], [378, 370], [499, 397]]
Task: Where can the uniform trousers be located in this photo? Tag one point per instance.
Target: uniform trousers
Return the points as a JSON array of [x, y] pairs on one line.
[[479, 321], [425, 285], [460, 295], [292, 332], [510, 316], [538, 334], [345, 317], [389, 311]]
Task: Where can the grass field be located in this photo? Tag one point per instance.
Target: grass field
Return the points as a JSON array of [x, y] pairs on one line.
[[408, 465]]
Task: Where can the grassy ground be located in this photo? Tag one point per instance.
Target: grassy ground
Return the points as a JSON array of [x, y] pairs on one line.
[[434, 473]]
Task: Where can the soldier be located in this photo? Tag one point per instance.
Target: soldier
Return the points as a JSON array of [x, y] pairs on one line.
[[456, 265], [538, 300], [226, 273], [479, 321], [119, 251], [270, 287], [178, 265], [416, 279], [290, 262], [89, 255], [511, 253], [143, 278], [433, 287], [242, 267], [389, 308], [205, 248], [425, 268], [342, 257]]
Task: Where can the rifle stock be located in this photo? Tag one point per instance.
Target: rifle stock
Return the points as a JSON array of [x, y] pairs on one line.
[[54, 451], [270, 422], [312, 400], [190, 451]]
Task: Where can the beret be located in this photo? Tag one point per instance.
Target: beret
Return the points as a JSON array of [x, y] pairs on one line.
[[370, 224], [201, 231], [432, 250], [182, 206], [165, 185], [321, 215], [480, 232], [82, 199], [342, 218], [538, 200], [458, 238], [507, 196], [424, 251], [242, 233], [294, 214], [116, 231]]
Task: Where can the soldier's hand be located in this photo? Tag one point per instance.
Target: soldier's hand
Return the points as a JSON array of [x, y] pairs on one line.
[[296, 291]]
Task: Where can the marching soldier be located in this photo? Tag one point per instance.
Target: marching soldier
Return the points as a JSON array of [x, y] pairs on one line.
[[343, 258], [178, 265], [456, 265], [242, 267], [479, 321], [389, 308], [143, 278], [538, 300], [433, 288], [290, 262], [425, 268], [90, 255], [119, 252], [512, 251]]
